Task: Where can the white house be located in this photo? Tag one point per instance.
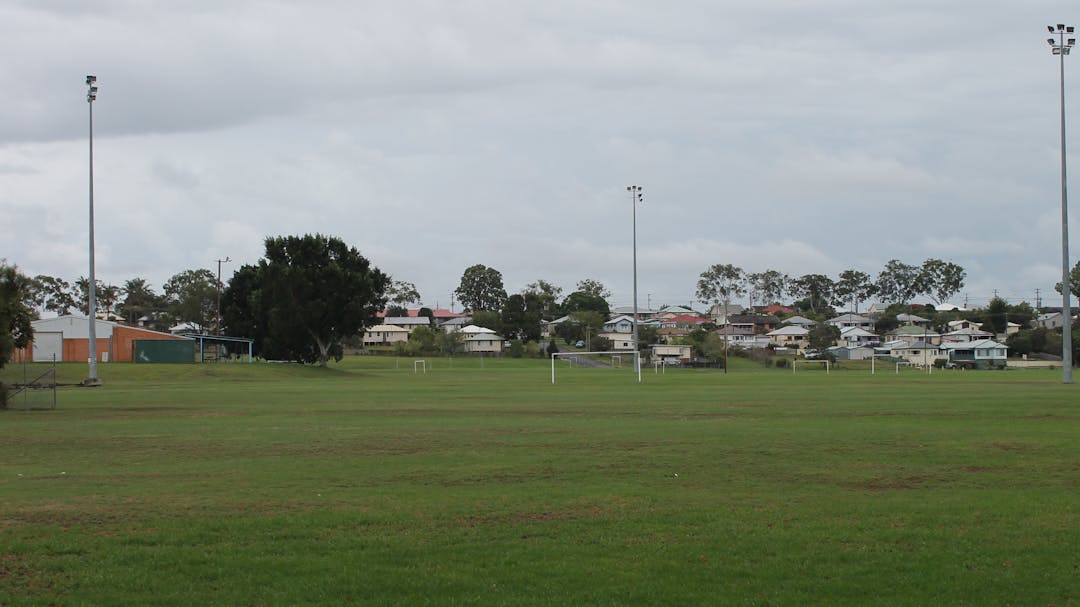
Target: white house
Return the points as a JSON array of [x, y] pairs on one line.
[[857, 336], [799, 321], [621, 342], [470, 330], [911, 319], [981, 354], [792, 336], [965, 335], [485, 343], [917, 352], [384, 335], [851, 320]]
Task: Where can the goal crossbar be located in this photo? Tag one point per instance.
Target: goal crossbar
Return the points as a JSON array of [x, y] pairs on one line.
[[797, 362]]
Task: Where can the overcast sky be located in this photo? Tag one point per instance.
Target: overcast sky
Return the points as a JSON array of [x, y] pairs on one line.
[[807, 137]]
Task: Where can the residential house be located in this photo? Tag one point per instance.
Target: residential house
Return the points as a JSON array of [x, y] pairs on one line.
[[471, 330], [913, 333], [666, 334], [851, 352], [483, 343], [669, 311], [845, 321], [775, 310], [718, 313], [684, 321], [455, 324], [876, 309], [759, 323], [919, 353], [911, 319], [384, 335], [739, 336], [799, 321], [1051, 320], [620, 341], [642, 313], [407, 322], [857, 336], [981, 354], [792, 336], [620, 324], [965, 335]]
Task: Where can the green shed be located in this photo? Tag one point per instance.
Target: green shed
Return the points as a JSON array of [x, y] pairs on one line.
[[164, 351]]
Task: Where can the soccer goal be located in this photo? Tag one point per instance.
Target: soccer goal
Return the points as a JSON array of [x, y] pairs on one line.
[[582, 359], [419, 366], [795, 363]]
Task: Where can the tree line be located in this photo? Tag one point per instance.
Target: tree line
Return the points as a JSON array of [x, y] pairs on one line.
[[897, 282]]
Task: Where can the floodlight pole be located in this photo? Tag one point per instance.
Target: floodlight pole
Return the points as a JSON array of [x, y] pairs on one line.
[[217, 326], [636, 196], [91, 287], [1061, 47]]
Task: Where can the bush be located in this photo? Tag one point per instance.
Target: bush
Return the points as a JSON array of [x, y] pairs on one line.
[[517, 349], [782, 363]]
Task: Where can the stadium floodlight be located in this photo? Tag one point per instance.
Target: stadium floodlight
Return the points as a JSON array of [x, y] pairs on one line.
[[636, 195], [91, 286], [1061, 48]]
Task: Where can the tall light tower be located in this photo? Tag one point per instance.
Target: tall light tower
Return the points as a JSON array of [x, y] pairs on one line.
[[217, 327], [636, 195], [1061, 47], [92, 380]]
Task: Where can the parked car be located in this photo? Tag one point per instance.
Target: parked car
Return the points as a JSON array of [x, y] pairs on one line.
[[811, 353], [579, 344]]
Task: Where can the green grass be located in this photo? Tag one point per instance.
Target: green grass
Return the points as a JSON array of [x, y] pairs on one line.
[[365, 483]]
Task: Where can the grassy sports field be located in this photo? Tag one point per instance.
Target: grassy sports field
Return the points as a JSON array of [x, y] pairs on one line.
[[367, 484]]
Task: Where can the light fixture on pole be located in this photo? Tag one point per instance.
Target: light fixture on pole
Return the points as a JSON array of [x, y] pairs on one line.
[[1061, 47], [91, 286], [217, 326], [636, 195]]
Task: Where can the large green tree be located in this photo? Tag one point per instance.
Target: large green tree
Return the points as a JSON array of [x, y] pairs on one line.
[[548, 295], [581, 301], [139, 301], [16, 314], [306, 295], [720, 283], [814, 289], [852, 287], [481, 288], [768, 286], [899, 282], [940, 280], [593, 287], [191, 297], [55, 295], [402, 293], [1074, 281]]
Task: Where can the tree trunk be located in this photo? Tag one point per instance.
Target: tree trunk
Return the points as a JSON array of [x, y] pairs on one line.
[[324, 352]]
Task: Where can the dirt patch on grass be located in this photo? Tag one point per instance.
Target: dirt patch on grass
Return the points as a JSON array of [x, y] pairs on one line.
[[908, 483], [573, 513]]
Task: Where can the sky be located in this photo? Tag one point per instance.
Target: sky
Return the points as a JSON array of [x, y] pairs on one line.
[[805, 137]]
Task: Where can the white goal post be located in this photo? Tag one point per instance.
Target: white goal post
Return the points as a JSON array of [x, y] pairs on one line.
[[571, 356], [796, 363], [419, 364]]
